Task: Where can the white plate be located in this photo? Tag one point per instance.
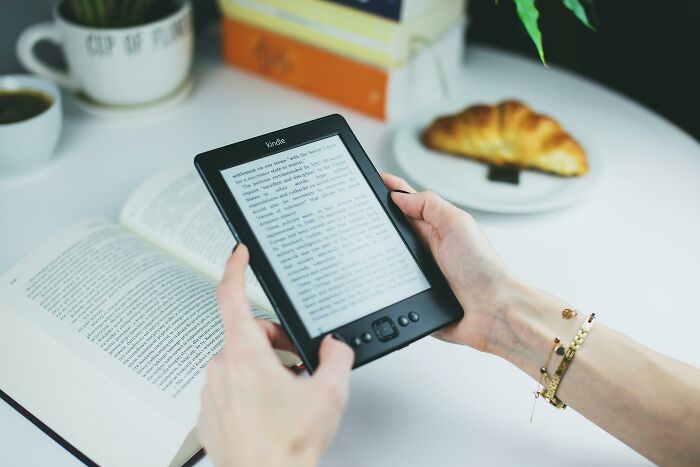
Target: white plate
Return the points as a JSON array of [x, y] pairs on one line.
[[464, 182]]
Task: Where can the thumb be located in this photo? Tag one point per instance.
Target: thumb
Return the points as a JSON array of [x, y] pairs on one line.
[[425, 206], [335, 362]]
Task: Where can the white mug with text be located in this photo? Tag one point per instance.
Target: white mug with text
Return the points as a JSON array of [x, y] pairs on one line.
[[116, 66]]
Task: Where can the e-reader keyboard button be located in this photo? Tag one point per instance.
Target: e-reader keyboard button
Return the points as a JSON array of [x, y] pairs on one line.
[[403, 321], [413, 316], [356, 342], [367, 337], [384, 329]]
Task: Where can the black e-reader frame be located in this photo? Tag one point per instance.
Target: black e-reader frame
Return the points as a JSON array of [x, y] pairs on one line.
[[379, 332]]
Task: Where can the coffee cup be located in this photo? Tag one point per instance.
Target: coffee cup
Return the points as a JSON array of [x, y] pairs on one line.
[[30, 123], [121, 66]]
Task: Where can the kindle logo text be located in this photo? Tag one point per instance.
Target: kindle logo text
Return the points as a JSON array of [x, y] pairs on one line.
[[277, 142]]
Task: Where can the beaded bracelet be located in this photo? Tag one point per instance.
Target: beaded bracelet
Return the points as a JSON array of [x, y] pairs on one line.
[[550, 394], [559, 349]]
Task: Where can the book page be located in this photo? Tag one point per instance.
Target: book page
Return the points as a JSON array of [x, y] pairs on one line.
[[139, 316], [174, 211], [83, 405]]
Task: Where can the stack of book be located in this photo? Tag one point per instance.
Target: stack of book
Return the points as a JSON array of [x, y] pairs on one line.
[[380, 57]]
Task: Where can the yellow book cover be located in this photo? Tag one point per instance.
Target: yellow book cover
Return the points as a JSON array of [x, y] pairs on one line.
[[348, 31]]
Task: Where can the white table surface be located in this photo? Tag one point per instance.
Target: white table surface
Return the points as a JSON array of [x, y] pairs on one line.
[[630, 253]]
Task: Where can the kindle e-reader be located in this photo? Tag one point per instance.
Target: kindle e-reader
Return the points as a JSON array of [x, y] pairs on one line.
[[329, 247]]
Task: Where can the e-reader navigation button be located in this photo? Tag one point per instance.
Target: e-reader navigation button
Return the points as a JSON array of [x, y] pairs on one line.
[[367, 337], [413, 316], [384, 329], [356, 342], [403, 321]]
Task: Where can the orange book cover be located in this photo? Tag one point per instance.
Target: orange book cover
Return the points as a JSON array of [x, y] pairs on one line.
[[288, 61]]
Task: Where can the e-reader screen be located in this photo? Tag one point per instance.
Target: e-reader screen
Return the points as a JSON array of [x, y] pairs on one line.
[[332, 245]]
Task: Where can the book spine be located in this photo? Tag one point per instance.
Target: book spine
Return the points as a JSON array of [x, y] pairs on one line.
[[294, 63], [390, 9], [333, 27]]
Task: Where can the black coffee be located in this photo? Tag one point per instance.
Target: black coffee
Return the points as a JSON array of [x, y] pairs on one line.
[[22, 104]]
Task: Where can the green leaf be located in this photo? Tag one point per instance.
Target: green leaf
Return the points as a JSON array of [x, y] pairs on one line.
[[578, 10], [528, 14]]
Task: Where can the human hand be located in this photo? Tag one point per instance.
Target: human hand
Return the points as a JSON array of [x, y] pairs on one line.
[[255, 411], [482, 283]]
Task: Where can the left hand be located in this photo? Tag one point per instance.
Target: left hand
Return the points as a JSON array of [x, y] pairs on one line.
[[254, 410]]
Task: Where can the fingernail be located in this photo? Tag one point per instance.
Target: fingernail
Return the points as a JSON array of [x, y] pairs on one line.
[[402, 191], [337, 337], [234, 248]]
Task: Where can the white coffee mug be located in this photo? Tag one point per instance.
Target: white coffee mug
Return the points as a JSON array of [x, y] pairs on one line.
[[28, 144], [116, 66]]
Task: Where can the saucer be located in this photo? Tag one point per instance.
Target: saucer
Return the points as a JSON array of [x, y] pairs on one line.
[[119, 111]]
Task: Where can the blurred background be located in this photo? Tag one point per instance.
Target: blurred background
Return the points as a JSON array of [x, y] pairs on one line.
[[645, 49]]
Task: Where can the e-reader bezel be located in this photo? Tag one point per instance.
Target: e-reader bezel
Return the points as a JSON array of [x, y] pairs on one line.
[[436, 306]]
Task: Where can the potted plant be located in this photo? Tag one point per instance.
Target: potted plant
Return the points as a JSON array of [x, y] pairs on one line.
[[116, 13], [528, 14]]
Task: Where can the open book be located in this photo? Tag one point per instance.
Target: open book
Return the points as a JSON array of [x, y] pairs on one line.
[[105, 329]]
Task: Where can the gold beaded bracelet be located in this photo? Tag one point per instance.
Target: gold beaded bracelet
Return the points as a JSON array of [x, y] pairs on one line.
[[550, 394], [559, 349]]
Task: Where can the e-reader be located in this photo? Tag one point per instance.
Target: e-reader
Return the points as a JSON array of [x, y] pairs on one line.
[[332, 251]]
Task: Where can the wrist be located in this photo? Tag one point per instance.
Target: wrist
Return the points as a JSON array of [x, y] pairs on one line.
[[524, 333]]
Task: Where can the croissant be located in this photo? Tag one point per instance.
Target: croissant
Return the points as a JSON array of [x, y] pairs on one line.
[[508, 134]]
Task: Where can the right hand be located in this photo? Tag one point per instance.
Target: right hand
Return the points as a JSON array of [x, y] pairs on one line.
[[480, 280]]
